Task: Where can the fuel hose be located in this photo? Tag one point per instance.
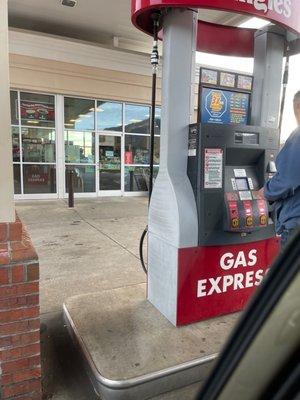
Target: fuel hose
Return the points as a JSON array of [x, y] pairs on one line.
[[154, 63]]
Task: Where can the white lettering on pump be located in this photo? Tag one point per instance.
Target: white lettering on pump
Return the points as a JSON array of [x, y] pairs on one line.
[[227, 261], [278, 6], [201, 288], [236, 281], [249, 279], [214, 285], [240, 260], [252, 257], [227, 281], [258, 277]]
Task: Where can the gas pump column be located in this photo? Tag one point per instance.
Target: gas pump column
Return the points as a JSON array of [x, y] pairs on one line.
[[269, 48], [173, 220]]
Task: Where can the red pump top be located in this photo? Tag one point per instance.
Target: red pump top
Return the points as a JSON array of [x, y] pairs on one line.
[[220, 39]]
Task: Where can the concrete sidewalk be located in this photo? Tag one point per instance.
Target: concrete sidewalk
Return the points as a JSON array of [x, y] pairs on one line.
[[87, 249]]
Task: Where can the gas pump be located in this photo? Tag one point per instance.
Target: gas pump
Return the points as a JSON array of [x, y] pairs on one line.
[[211, 236], [229, 161]]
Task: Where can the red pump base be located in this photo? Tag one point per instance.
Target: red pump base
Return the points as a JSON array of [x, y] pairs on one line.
[[214, 281]]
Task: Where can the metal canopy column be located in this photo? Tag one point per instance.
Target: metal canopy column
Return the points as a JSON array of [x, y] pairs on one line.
[[268, 68], [173, 221], [7, 213]]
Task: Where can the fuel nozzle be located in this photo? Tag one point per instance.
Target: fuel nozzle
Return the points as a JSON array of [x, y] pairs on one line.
[[155, 55]]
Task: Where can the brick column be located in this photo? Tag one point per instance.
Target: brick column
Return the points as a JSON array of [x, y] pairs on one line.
[[20, 359]]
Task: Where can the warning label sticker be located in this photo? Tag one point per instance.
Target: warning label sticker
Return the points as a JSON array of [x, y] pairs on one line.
[[213, 168]]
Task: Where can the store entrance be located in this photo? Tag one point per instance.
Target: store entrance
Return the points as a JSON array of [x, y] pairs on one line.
[[109, 164]]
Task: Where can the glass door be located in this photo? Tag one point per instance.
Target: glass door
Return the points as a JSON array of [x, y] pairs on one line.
[[109, 164]]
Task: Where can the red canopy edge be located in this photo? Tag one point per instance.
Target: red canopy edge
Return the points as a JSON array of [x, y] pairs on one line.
[[238, 42], [220, 39]]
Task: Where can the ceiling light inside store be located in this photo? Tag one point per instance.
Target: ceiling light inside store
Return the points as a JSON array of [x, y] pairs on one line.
[[69, 3], [33, 122]]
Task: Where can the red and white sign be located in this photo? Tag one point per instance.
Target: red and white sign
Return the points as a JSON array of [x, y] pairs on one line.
[[282, 12], [37, 179], [219, 280], [37, 111]]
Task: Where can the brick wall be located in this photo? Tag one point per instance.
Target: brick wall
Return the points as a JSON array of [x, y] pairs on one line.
[[19, 315]]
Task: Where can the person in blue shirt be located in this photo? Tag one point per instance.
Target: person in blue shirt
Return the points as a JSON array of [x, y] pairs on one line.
[[284, 187]]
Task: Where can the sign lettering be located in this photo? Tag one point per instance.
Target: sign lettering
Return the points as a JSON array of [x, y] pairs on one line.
[[281, 7], [220, 284]]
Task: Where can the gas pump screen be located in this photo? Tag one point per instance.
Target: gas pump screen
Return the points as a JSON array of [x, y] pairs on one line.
[[242, 184], [224, 106]]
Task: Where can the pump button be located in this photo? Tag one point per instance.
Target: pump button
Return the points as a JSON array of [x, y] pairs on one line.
[[249, 221], [235, 223], [263, 220]]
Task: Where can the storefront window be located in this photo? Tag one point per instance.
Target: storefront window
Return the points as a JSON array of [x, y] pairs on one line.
[[17, 179], [86, 121], [80, 147], [37, 109], [38, 145], [79, 114], [137, 178], [16, 144], [84, 178], [109, 116], [137, 149], [39, 178], [137, 119], [33, 143], [14, 108]]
